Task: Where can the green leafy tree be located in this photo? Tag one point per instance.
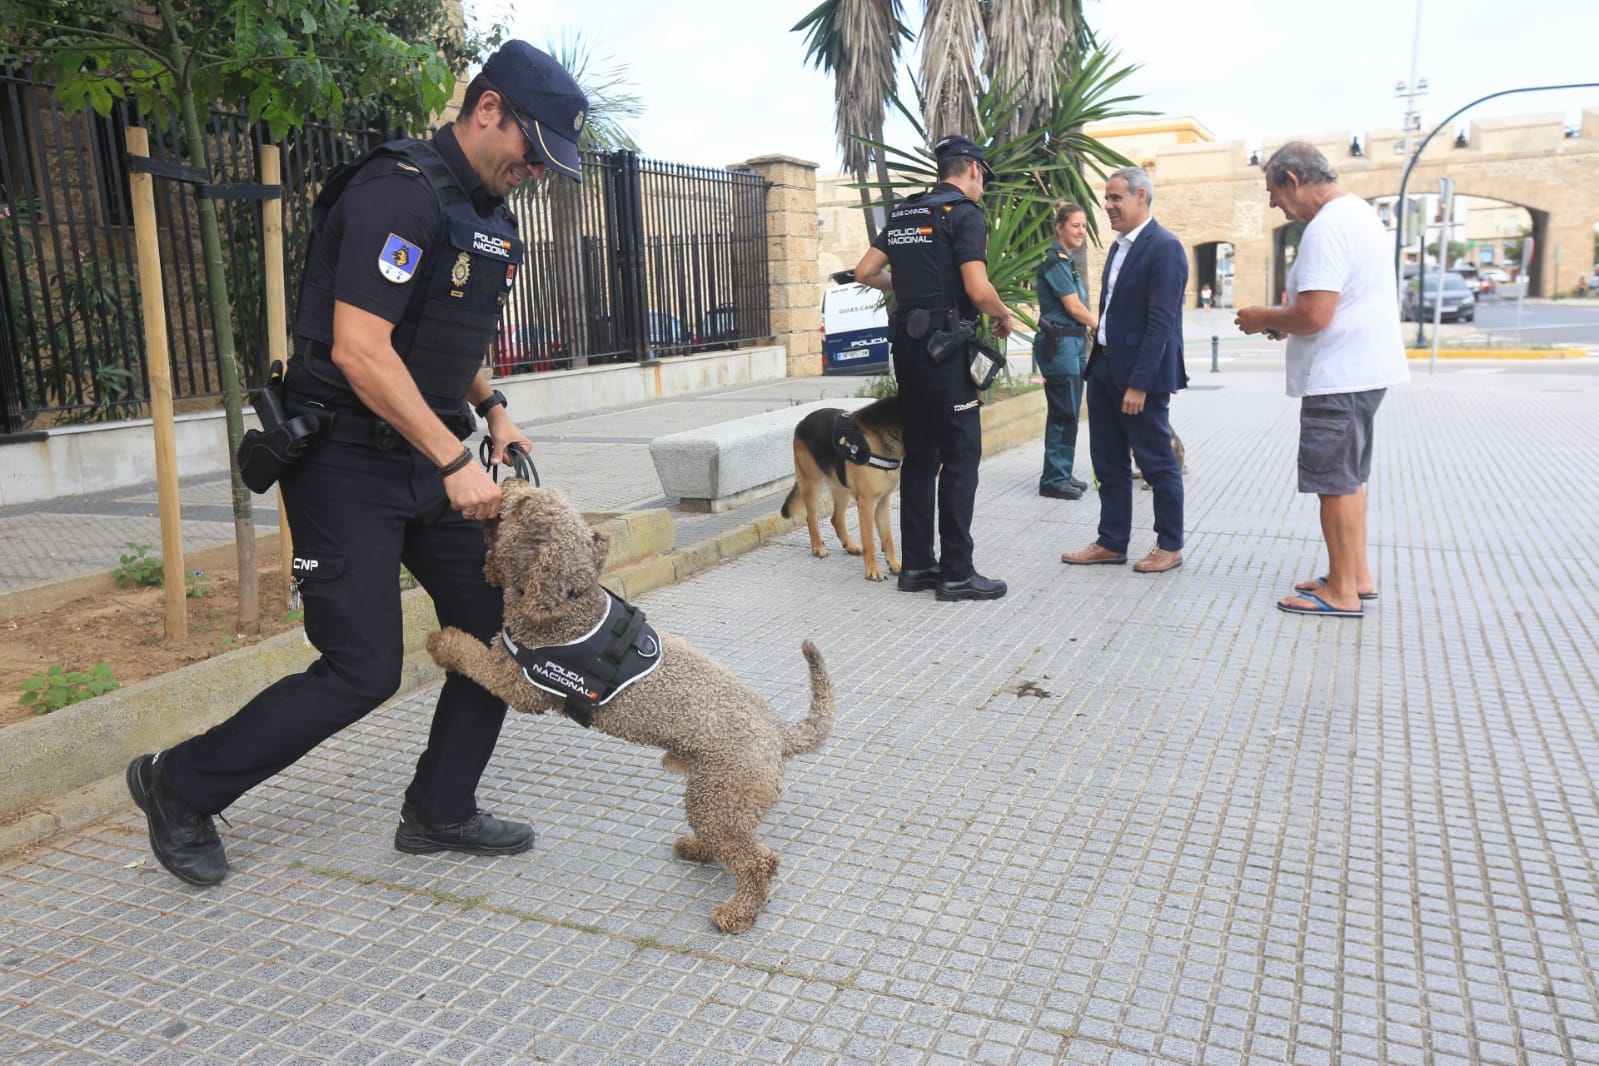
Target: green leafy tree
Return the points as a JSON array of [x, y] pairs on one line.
[[286, 61]]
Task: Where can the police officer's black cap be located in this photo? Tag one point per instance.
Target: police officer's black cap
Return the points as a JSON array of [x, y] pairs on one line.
[[957, 145], [546, 97]]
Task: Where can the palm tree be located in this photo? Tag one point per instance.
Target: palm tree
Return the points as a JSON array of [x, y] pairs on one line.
[[858, 42], [1030, 122], [964, 46]]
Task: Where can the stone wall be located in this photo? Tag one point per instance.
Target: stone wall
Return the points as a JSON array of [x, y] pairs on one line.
[[1208, 191], [1213, 194], [792, 272]]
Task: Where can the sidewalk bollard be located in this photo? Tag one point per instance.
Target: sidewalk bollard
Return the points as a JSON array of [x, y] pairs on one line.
[[1215, 345]]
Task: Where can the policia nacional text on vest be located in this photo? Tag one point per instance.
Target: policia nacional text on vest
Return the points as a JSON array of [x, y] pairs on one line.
[[924, 266]]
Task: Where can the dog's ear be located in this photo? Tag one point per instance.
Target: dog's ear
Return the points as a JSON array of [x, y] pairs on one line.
[[602, 547]]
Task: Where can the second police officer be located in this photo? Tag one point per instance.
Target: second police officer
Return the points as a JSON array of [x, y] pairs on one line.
[[933, 255], [412, 257]]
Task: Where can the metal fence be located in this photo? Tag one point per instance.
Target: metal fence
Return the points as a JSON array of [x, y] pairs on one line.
[[642, 260]]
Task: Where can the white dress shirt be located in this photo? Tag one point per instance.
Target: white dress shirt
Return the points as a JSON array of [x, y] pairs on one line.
[[1120, 247]]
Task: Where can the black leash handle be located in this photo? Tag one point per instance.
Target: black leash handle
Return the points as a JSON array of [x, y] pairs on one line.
[[521, 461]]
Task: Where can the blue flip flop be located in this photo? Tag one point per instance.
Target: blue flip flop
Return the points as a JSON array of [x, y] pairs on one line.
[[1322, 582], [1322, 607]]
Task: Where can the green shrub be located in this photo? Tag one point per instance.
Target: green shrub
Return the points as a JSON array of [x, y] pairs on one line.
[[139, 569], [55, 688]]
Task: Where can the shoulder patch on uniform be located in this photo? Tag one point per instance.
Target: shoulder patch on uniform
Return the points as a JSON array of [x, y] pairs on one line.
[[400, 164], [397, 262]]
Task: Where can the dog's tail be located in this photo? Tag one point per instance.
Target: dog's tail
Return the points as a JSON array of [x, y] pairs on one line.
[[804, 737], [788, 503]]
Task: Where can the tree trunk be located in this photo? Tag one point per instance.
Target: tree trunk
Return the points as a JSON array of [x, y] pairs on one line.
[[249, 619]]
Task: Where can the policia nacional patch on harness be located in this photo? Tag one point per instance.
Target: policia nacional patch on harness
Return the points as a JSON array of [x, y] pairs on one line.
[[591, 670]]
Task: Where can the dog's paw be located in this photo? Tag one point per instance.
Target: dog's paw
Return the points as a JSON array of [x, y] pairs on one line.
[[875, 575], [691, 848], [853, 549], [819, 551], [437, 643], [730, 920]]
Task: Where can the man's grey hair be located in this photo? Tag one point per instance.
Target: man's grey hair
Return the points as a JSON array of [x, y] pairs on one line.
[[1304, 161], [1136, 178]]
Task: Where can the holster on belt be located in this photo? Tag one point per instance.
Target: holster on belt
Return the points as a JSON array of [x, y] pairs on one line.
[[1054, 332], [951, 340], [281, 441]]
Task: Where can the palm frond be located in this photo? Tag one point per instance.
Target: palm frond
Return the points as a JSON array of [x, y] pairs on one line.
[[612, 103]]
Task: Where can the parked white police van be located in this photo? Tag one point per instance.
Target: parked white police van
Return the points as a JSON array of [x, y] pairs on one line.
[[854, 328]]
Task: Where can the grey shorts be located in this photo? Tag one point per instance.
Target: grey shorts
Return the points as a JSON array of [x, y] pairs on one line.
[[1335, 441]]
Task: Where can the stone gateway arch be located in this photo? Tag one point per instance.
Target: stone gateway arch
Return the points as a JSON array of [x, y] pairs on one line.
[[1210, 193]]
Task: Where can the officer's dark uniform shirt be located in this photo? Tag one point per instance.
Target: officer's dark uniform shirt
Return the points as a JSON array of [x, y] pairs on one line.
[[915, 286], [388, 209]]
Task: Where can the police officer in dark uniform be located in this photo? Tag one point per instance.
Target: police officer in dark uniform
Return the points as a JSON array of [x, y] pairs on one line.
[[932, 254], [411, 260]]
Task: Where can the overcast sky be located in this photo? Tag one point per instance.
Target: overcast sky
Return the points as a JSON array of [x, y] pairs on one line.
[[724, 80]]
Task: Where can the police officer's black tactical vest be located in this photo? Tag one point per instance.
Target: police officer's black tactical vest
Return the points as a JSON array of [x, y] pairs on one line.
[[461, 282], [921, 250]]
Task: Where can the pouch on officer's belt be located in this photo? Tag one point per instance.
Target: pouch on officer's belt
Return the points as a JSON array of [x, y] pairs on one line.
[[943, 343], [266, 452], [986, 364]]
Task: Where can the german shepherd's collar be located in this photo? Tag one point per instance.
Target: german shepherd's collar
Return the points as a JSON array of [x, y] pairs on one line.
[[590, 670], [852, 447]]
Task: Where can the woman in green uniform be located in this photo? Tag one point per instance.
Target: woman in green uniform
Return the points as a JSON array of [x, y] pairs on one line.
[[1060, 350]]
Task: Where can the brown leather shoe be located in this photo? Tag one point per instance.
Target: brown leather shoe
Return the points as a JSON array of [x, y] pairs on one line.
[[1158, 561], [1094, 553]]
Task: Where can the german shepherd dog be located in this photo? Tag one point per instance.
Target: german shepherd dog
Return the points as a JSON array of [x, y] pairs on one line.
[[820, 457]]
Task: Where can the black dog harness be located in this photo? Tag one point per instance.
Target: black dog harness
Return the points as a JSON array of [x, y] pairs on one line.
[[850, 444], [588, 671]]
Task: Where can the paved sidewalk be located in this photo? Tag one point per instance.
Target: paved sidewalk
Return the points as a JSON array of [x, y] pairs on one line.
[[1111, 818]]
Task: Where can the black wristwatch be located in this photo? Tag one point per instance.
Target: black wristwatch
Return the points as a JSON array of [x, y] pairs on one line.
[[496, 399]]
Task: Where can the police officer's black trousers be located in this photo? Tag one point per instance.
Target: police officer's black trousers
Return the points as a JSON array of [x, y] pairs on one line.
[[356, 514], [943, 447]]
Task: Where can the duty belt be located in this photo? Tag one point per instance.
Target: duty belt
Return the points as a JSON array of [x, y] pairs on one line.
[[1054, 331]]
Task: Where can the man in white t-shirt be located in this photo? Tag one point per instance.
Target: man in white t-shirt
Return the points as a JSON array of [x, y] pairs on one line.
[[1344, 351]]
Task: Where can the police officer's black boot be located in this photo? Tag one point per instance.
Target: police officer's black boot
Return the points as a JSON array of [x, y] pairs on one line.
[[918, 580], [976, 587], [184, 840], [481, 834]]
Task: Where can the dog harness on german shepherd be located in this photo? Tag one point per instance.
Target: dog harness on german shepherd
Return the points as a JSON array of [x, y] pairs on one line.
[[850, 444], [589, 671]]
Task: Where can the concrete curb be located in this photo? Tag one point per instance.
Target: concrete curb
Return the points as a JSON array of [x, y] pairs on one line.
[[64, 770], [54, 769]]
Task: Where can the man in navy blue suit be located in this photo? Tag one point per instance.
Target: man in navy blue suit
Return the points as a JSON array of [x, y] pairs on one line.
[[1134, 367]]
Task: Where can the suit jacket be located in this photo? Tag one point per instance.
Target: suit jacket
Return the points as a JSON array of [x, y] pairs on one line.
[[1143, 346]]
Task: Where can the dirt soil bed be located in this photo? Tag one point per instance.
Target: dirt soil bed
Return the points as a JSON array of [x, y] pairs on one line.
[[126, 629]]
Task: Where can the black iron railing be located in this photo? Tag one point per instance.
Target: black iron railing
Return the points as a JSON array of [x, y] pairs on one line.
[[642, 260]]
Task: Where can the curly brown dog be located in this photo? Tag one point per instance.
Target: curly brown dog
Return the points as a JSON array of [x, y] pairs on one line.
[[820, 458], [716, 731]]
